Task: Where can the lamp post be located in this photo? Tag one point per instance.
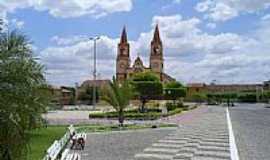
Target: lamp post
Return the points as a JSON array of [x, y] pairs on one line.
[[95, 70]]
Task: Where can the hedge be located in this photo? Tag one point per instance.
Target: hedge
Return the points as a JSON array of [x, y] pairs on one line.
[[136, 115]]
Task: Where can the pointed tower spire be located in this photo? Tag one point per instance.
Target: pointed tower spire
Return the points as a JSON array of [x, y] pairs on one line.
[[124, 36], [156, 37]]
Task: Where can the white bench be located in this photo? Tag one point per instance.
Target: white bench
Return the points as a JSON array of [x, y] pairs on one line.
[[70, 156], [53, 151], [73, 156], [72, 130], [64, 154]]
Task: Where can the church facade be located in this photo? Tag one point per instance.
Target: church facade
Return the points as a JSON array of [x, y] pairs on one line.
[[125, 69]]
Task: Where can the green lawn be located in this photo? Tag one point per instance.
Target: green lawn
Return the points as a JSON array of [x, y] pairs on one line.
[[41, 139]]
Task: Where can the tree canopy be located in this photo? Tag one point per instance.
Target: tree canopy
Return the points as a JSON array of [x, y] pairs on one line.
[[174, 84], [147, 86], [23, 94], [145, 76], [174, 90]]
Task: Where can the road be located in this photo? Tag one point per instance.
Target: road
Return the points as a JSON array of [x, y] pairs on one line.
[[251, 126]]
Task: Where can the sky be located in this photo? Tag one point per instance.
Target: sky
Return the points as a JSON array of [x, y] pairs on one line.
[[226, 41]]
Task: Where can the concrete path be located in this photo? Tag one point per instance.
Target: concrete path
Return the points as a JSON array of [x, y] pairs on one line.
[[202, 135], [120, 145]]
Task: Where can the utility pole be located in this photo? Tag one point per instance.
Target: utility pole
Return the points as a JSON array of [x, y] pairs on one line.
[[94, 70]]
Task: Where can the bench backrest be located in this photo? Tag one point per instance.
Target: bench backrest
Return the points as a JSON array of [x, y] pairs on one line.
[[54, 150], [71, 129], [73, 156], [63, 141], [64, 154]]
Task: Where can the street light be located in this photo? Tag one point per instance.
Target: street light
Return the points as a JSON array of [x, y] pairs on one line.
[[95, 70]]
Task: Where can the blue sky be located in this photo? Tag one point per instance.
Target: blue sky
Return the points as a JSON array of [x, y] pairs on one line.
[[204, 40]]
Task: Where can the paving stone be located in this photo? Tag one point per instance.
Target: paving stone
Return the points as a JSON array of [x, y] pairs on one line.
[[206, 137], [147, 156]]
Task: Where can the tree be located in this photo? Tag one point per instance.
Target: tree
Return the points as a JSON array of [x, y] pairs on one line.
[[23, 95], [174, 91], [145, 76], [249, 97], [118, 95], [199, 97], [229, 98], [87, 95], [147, 86], [1, 25], [174, 84]]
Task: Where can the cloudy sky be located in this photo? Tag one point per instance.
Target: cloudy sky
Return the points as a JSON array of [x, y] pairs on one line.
[[204, 40]]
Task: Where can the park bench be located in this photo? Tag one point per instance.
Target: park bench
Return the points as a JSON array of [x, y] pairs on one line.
[[77, 140], [70, 156], [53, 151]]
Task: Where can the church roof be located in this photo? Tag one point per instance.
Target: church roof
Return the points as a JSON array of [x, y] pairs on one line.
[[138, 60], [156, 37], [124, 36], [167, 77]]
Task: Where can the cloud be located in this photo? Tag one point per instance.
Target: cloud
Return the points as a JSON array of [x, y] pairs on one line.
[[191, 54], [17, 23], [70, 60], [223, 10], [211, 25], [266, 17], [71, 8]]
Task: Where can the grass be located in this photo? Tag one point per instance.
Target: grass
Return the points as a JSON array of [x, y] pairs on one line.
[[42, 138]]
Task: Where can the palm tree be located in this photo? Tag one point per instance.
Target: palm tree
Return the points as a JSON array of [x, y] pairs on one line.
[[118, 95], [1, 25], [22, 101]]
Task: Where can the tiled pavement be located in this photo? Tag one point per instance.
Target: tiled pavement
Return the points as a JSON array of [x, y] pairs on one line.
[[202, 135]]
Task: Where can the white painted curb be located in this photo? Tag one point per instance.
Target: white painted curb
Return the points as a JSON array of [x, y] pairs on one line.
[[233, 147]]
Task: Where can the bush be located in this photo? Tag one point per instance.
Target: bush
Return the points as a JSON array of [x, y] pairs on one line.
[[173, 106], [174, 93], [87, 95], [152, 114], [248, 97]]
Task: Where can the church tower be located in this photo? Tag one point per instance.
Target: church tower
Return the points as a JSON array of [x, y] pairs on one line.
[[156, 55], [123, 59]]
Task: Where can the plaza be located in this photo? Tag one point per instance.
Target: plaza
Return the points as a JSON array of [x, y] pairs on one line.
[[134, 80]]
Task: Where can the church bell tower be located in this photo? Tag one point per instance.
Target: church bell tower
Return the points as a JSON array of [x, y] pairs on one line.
[[123, 59], [156, 55]]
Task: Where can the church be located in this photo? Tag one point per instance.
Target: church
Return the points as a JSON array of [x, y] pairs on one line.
[[124, 68]]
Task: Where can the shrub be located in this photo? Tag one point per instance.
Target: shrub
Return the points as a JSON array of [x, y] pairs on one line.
[[248, 97], [174, 106], [152, 114], [174, 93]]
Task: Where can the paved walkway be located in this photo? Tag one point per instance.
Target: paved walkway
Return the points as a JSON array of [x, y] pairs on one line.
[[120, 145], [202, 135]]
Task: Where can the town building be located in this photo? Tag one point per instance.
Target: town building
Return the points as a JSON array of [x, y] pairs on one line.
[[202, 88]]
